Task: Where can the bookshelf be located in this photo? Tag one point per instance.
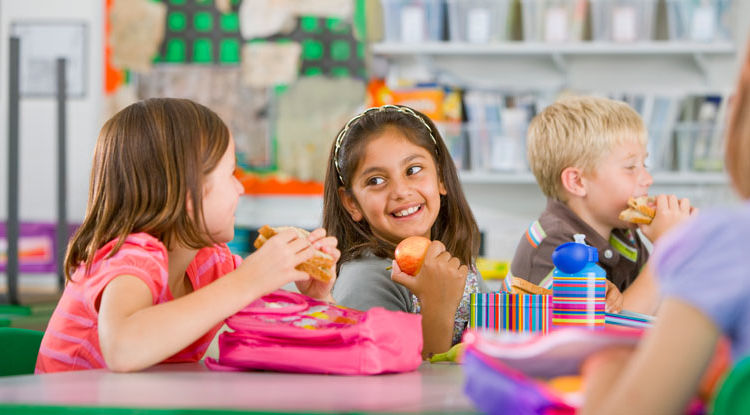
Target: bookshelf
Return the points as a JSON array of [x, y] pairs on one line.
[[660, 178], [660, 66], [504, 202], [394, 49]]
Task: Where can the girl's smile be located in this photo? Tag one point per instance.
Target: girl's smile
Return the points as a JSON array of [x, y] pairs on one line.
[[407, 212]]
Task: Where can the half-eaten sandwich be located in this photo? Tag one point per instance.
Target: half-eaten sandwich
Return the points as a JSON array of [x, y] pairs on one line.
[[319, 266], [521, 286], [640, 210]]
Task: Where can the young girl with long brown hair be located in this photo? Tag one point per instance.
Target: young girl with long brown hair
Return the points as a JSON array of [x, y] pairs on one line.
[[390, 176], [150, 277]]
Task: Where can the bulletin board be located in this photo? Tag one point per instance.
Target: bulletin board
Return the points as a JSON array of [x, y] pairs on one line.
[[328, 47], [197, 32]]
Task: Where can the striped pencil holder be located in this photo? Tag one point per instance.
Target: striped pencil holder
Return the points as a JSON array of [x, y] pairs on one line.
[[512, 312]]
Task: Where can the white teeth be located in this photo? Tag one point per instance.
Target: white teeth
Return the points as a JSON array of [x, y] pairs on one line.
[[407, 211]]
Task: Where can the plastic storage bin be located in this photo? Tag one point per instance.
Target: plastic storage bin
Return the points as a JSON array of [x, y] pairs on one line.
[[660, 149], [413, 21], [622, 20], [553, 20], [478, 21], [698, 20], [456, 141], [496, 147], [699, 147]]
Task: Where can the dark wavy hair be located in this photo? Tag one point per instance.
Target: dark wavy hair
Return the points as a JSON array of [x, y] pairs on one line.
[[455, 225]]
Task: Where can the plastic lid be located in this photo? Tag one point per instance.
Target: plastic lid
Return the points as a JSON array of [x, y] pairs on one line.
[[572, 257]]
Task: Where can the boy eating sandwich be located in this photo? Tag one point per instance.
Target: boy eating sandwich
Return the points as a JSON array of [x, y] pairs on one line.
[[588, 155]]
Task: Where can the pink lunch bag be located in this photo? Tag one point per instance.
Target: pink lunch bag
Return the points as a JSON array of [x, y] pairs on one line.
[[289, 332]]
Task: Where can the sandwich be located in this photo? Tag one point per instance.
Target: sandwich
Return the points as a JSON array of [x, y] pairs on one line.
[[521, 286], [319, 266], [640, 210]]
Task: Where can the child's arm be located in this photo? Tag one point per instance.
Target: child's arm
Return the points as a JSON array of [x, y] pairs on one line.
[[663, 373], [614, 298], [643, 295], [134, 334], [439, 286]]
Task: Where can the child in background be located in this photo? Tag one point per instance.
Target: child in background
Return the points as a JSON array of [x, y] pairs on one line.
[[389, 177], [703, 275], [149, 276], [588, 157]]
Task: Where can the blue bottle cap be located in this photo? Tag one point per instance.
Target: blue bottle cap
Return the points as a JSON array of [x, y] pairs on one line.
[[572, 257]]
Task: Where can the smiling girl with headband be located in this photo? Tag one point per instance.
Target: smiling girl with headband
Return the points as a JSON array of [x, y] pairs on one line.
[[390, 176]]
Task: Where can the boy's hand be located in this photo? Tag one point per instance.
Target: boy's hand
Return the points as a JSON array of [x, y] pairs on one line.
[[670, 212], [614, 298], [315, 288], [441, 280], [273, 264]]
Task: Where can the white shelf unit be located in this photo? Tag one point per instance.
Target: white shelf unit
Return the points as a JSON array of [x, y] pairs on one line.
[[660, 178], [505, 203], [667, 68], [544, 48], [659, 66]]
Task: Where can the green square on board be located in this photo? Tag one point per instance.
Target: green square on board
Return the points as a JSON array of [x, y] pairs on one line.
[[310, 24], [313, 71], [175, 52], [176, 21], [202, 51], [203, 21], [229, 22], [340, 50], [312, 49], [229, 51], [336, 25], [340, 71]]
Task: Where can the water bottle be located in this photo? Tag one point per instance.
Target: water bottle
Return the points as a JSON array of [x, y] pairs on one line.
[[579, 286]]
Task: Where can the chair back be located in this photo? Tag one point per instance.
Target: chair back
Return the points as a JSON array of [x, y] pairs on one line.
[[733, 396], [18, 350]]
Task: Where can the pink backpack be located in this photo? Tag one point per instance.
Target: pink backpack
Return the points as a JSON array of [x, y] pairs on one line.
[[290, 332]]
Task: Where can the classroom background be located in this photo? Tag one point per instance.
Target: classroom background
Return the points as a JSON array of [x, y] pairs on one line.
[[286, 75]]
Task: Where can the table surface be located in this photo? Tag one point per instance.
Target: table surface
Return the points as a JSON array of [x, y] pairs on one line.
[[432, 388]]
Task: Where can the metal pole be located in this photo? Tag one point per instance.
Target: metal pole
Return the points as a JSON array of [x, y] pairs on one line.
[[62, 215], [13, 156]]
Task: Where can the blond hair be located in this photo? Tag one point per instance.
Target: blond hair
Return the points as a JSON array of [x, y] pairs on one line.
[[738, 134], [578, 132]]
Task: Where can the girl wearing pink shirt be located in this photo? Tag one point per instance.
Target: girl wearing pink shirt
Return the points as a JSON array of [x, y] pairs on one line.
[[149, 276]]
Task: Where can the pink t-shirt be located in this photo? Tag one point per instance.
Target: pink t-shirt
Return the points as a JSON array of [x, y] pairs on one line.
[[71, 340]]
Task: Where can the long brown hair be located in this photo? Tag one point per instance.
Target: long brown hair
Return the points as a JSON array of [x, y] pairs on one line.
[[455, 225], [150, 160], [738, 133]]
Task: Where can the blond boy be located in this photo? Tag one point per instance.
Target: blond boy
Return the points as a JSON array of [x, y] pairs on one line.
[[588, 157]]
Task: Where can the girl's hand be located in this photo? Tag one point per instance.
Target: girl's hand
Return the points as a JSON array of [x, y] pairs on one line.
[[670, 212], [273, 264], [441, 280], [316, 288], [614, 298]]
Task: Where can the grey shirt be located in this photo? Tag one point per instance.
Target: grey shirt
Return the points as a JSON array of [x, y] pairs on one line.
[[365, 282]]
